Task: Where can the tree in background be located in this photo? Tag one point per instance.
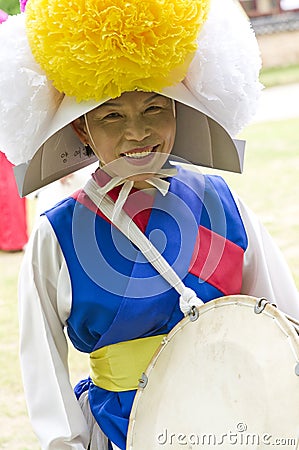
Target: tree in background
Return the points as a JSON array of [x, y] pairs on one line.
[[10, 6]]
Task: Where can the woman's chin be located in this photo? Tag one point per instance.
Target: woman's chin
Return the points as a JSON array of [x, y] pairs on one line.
[[140, 180]]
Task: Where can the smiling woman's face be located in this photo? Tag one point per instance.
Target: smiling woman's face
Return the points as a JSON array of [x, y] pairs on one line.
[[137, 128]]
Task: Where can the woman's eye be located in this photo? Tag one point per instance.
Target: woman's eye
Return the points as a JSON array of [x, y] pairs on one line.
[[114, 115], [154, 108]]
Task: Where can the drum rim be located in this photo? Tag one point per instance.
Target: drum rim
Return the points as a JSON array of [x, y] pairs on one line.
[[269, 309]]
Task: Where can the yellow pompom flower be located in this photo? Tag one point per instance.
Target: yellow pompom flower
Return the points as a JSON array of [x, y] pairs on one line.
[[94, 49]]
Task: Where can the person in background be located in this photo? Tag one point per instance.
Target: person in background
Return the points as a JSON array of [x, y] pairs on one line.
[[142, 86], [13, 218]]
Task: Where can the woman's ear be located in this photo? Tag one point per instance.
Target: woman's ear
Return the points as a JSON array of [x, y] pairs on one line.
[[78, 126]]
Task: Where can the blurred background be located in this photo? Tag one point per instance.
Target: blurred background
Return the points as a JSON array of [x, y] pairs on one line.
[[269, 185]]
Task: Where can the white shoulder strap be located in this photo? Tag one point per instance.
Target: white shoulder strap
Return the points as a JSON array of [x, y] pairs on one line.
[[125, 224]]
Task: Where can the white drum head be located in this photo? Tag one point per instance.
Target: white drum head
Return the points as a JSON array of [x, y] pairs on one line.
[[227, 380]]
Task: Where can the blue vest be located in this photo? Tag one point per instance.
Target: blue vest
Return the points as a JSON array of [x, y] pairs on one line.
[[117, 295]]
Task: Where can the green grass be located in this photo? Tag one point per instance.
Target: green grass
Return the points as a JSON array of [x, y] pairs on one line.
[[270, 185], [276, 76], [15, 428], [10, 6]]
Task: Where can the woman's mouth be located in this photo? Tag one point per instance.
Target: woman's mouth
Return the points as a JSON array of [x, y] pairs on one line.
[[140, 155], [137, 155]]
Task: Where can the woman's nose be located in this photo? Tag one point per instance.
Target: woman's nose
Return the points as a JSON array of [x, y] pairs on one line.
[[137, 128]]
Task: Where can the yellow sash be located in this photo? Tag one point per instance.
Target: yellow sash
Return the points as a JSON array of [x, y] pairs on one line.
[[119, 367]]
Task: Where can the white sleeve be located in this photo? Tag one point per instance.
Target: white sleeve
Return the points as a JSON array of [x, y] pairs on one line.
[[44, 306], [265, 272]]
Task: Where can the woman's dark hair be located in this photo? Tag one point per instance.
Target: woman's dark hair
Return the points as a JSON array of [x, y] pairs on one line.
[[89, 150]]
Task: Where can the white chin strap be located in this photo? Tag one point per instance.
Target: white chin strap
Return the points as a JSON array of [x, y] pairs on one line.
[[155, 181], [89, 133]]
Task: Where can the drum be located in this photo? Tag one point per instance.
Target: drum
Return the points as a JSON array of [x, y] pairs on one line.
[[227, 376]]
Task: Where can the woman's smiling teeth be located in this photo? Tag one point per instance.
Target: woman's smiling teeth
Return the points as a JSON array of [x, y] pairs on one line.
[[139, 154]]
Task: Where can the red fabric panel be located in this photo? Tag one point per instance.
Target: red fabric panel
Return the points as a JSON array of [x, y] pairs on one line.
[[138, 205], [217, 261]]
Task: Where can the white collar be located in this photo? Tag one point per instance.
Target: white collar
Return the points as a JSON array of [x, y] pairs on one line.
[[157, 181]]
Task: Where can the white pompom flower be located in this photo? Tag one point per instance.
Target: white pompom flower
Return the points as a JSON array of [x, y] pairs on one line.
[[224, 73], [28, 101]]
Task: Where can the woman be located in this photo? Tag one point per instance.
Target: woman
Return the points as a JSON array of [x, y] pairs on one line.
[[141, 119]]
